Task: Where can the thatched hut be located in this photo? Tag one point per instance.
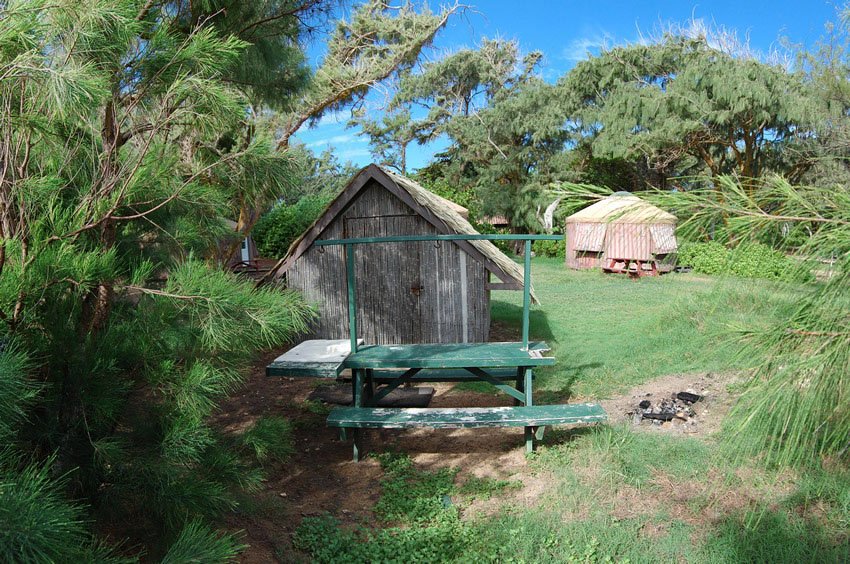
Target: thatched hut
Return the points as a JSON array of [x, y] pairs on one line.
[[622, 233], [410, 292]]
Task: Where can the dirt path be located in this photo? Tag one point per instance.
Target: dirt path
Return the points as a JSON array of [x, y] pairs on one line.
[[320, 477]]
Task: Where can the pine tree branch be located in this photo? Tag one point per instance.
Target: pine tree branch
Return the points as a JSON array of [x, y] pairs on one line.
[[152, 292]]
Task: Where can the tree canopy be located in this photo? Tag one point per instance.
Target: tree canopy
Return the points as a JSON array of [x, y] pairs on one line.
[[131, 131], [688, 108]]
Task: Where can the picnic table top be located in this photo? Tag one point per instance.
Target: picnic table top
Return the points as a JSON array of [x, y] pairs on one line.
[[316, 358], [449, 355]]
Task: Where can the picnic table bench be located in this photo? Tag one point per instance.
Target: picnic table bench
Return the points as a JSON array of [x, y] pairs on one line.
[[394, 365]]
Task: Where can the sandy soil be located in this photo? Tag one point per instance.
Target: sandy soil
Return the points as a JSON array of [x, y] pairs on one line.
[[320, 477], [710, 410]]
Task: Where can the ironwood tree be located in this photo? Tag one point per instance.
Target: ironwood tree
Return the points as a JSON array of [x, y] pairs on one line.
[[503, 121], [130, 131], [375, 44], [688, 108]]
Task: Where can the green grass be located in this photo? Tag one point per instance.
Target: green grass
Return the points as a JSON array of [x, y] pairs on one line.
[[617, 496], [610, 333], [613, 494]]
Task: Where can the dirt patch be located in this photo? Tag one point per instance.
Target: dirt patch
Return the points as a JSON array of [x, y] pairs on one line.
[[710, 410], [701, 503], [321, 477]]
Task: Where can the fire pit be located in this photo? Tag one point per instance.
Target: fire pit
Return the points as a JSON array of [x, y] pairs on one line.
[[677, 407]]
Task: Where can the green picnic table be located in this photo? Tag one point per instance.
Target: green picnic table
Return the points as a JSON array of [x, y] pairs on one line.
[[397, 364]]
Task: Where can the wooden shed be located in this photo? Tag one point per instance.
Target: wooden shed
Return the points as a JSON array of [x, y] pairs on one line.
[[411, 292], [622, 233]]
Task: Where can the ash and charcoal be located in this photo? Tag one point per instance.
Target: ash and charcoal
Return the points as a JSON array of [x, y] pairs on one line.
[[679, 407]]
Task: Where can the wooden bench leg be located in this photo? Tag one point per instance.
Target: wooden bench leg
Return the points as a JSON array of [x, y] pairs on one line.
[[533, 433], [358, 445], [356, 387], [538, 433]]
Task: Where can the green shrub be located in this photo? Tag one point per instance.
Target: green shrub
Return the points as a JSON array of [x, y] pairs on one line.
[[484, 228], [465, 197], [269, 438], [749, 260], [757, 260], [551, 249], [707, 258], [278, 228], [37, 522]]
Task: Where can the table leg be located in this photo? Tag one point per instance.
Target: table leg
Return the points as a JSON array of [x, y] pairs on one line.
[[529, 400], [370, 387], [533, 433], [357, 387], [520, 383]]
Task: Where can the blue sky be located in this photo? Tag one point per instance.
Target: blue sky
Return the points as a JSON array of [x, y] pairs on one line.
[[565, 31]]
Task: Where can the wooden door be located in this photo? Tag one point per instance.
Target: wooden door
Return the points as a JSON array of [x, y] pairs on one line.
[[388, 280]]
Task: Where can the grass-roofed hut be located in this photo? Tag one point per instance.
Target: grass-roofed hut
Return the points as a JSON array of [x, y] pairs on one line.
[[622, 233], [411, 292]]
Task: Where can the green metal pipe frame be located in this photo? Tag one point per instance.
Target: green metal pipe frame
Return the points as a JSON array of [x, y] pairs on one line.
[[351, 282]]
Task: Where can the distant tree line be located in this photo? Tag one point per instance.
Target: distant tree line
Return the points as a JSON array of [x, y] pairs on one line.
[[692, 104]]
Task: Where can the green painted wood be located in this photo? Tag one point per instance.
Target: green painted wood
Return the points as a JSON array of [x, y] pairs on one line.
[[358, 445], [409, 238], [352, 293], [392, 384], [511, 391], [471, 417], [445, 375], [526, 293], [357, 388], [446, 355]]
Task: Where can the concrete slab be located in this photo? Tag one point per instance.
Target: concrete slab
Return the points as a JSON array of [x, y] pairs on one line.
[[317, 358]]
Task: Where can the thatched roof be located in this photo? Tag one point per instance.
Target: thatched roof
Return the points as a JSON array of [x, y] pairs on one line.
[[438, 211], [622, 207], [459, 209]]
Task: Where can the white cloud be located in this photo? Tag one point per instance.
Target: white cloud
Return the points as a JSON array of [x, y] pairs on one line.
[[579, 49], [353, 154], [337, 140], [332, 119]]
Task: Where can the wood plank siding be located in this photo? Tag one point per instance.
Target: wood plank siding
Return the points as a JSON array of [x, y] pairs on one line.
[[419, 292]]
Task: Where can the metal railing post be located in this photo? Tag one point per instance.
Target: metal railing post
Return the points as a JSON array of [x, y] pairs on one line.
[[352, 293], [526, 293]]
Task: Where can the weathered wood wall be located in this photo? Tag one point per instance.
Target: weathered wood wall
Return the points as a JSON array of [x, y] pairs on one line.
[[415, 292]]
